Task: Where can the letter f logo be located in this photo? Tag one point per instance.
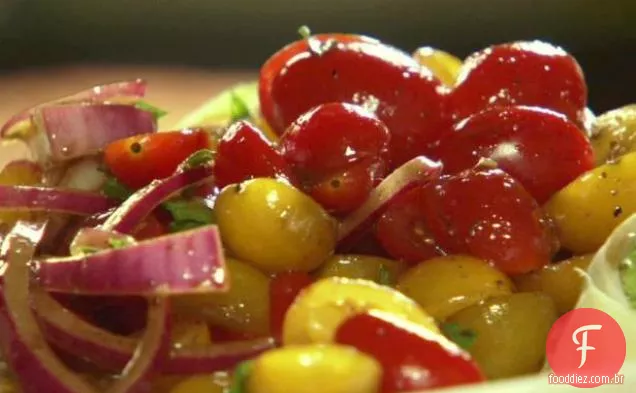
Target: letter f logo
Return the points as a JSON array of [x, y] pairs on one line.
[[583, 343]]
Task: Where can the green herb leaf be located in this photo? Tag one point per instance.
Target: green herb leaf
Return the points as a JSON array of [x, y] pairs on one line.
[[185, 225], [238, 108], [112, 188], [384, 276], [239, 377], [193, 209], [86, 250], [627, 271], [463, 337], [119, 242], [201, 157], [158, 113]]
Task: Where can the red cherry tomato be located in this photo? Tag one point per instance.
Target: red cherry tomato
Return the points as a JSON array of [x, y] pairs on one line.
[[403, 228], [283, 290], [403, 94], [488, 214], [221, 334], [138, 160], [540, 148], [244, 153], [149, 228], [412, 359], [339, 153], [521, 73]]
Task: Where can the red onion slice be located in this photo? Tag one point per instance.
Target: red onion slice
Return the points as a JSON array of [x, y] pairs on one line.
[[69, 131], [418, 171], [153, 348], [144, 201], [111, 352], [24, 347], [179, 263], [96, 239], [53, 199], [133, 88]]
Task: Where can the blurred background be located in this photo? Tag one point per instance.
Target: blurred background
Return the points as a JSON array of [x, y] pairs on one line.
[[189, 49]]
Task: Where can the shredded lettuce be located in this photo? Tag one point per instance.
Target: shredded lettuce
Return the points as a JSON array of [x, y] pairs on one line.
[[119, 242], [114, 189], [201, 157], [239, 377], [188, 213], [222, 107], [238, 108], [158, 113]]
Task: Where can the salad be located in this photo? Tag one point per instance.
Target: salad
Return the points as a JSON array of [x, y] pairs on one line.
[[359, 220]]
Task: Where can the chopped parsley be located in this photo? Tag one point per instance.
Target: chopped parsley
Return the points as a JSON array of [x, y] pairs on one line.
[[158, 113], [114, 189], [238, 108], [188, 213], [86, 250], [201, 157], [119, 242], [627, 271], [239, 377], [463, 337]]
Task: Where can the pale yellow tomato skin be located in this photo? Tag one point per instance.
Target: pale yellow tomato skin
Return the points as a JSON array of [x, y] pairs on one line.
[[244, 307], [588, 209], [444, 65], [447, 284], [614, 134], [561, 281], [367, 267], [314, 369], [191, 333], [215, 383], [510, 332], [319, 309], [19, 174], [274, 226]]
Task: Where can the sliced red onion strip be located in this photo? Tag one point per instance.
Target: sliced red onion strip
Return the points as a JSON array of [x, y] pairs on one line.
[[126, 218], [52, 199], [111, 352], [153, 348], [78, 130], [133, 88], [179, 263], [25, 349], [417, 171]]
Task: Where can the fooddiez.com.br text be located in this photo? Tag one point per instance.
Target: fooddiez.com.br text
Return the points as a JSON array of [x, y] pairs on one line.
[[568, 379]]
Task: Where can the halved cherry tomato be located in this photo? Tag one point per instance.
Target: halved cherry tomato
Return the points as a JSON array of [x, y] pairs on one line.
[[138, 160], [275, 64], [520, 73], [284, 288], [486, 213], [403, 229], [540, 148], [414, 359], [339, 152], [403, 94], [244, 153]]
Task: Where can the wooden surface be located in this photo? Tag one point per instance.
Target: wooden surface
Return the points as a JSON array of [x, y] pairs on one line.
[[176, 90]]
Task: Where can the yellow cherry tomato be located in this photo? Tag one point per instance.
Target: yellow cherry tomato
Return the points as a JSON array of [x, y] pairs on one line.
[[216, 383], [443, 65], [614, 134], [19, 173], [244, 307], [445, 285], [558, 280], [380, 270], [319, 309], [588, 209], [510, 332], [274, 226], [314, 369]]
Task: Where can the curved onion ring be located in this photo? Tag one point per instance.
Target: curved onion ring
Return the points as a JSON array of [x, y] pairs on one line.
[[418, 171], [53, 199], [110, 351]]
